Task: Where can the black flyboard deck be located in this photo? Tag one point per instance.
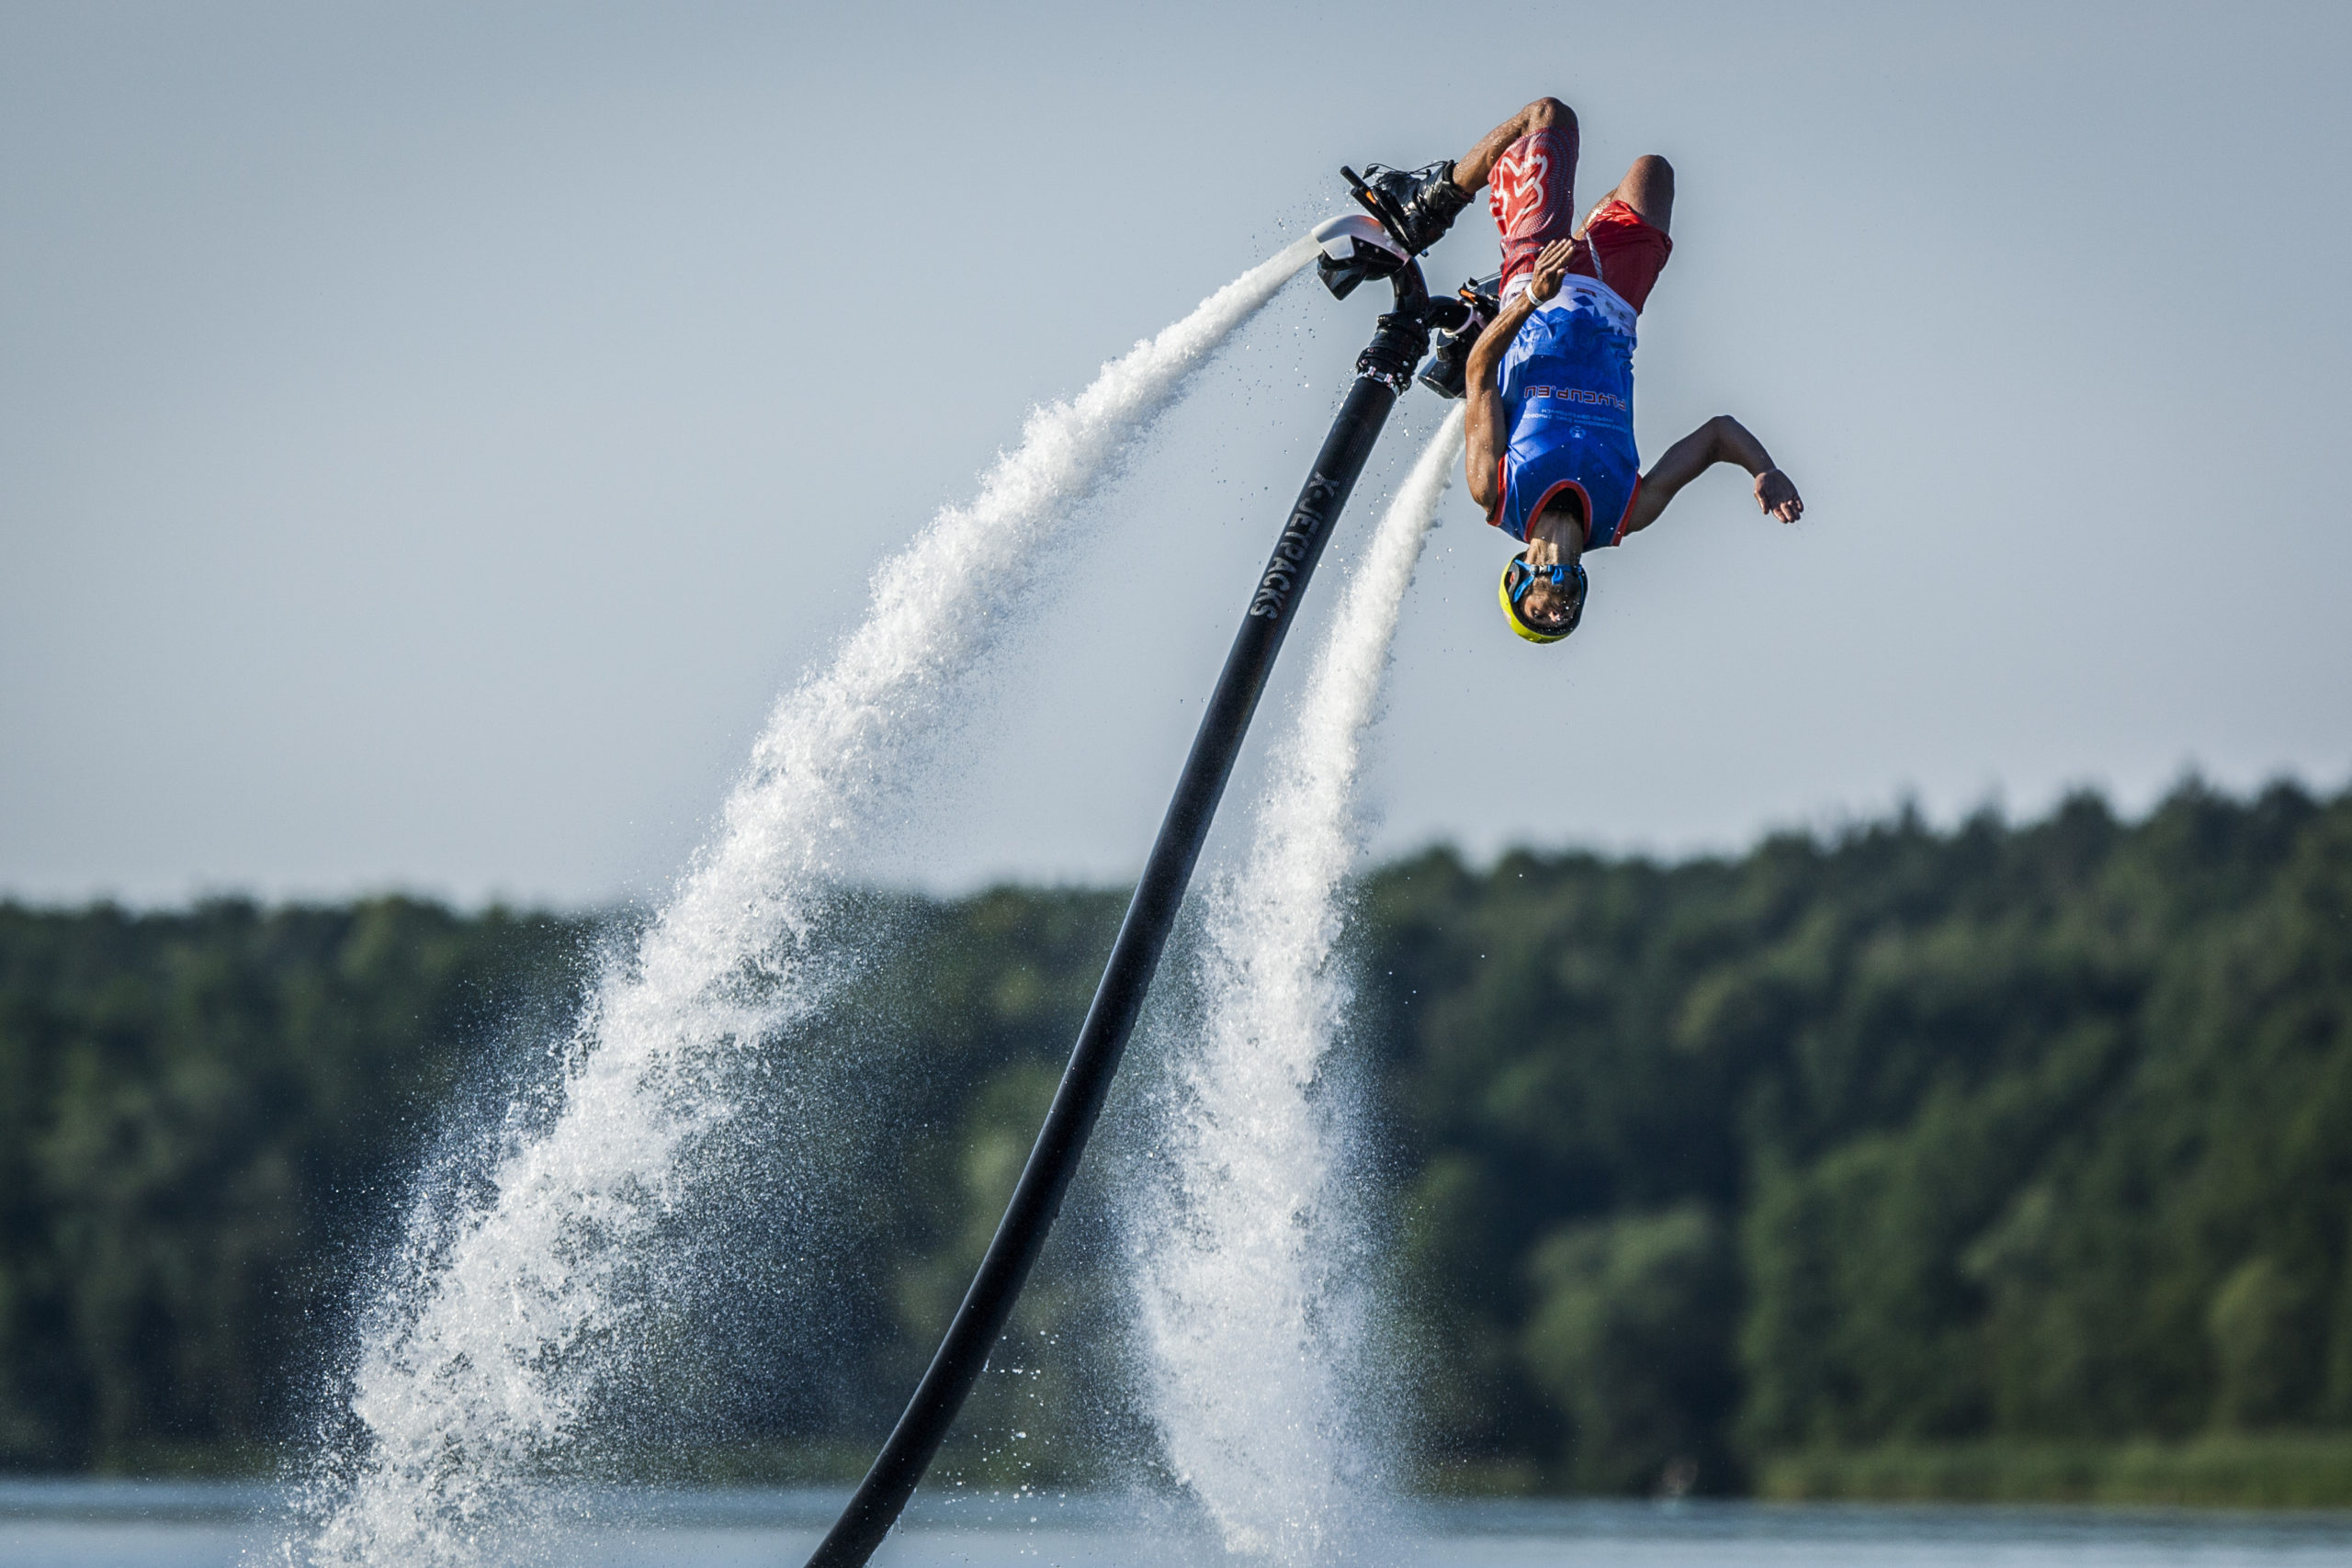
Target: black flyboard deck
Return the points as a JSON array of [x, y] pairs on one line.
[[1382, 371]]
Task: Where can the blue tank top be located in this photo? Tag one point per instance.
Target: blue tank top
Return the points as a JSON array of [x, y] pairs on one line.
[[1567, 388]]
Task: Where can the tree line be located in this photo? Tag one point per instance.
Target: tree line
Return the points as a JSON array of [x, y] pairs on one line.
[[1874, 1140]]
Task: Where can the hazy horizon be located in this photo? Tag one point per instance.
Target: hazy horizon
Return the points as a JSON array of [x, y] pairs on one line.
[[1826, 829]]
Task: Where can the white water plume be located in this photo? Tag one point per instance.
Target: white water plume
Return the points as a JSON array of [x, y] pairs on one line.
[[477, 1363], [1244, 1264]]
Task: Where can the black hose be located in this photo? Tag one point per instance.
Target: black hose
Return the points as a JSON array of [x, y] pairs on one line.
[[1383, 371]]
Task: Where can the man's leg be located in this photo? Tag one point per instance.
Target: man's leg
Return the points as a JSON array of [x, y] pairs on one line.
[[1625, 241], [1528, 164], [1544, 114], [1422, 204], [1647, 188]]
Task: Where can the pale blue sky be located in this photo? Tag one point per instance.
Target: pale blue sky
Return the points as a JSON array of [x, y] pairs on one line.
[[431, 436]]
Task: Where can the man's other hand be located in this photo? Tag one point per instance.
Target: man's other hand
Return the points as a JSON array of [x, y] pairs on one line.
[[1775, 492], [1551, 266]]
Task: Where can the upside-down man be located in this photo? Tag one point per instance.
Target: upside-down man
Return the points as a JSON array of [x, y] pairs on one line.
[[1549, 380]]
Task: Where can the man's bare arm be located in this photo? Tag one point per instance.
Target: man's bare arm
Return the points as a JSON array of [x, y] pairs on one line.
[[1722, 439], [1483, 435]]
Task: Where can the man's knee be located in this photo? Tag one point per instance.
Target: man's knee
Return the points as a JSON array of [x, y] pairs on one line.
[[1549, 114], [1649, 189]]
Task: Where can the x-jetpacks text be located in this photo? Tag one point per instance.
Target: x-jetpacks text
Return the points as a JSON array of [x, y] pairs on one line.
[[1306, 520]]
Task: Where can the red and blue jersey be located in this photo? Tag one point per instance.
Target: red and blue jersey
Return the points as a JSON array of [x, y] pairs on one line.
[[1567, 391]]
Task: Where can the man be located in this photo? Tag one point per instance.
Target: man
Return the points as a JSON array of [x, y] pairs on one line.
[[1550, 379]]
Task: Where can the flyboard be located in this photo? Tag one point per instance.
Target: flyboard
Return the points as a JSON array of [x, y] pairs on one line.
[[1355, 249]]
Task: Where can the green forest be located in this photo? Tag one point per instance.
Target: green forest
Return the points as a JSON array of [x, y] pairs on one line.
[[1996, 1161]]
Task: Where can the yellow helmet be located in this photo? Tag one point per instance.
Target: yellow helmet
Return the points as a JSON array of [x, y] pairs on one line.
[[1517, 578]]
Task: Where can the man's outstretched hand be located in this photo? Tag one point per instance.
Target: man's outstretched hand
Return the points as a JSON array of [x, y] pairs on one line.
[[1722, 439], [1551, 266], [1776, 493]]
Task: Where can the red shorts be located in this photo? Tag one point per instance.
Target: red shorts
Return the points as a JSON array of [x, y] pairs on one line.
[[1531, 193]]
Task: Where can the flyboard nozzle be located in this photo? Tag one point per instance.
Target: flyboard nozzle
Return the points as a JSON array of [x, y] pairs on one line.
[[1355, 247]]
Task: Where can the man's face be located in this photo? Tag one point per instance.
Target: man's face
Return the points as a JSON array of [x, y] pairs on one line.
[[1546, 606], [1543, 607]]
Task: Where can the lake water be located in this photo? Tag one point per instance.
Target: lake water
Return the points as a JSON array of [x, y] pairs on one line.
[[99, 1523]]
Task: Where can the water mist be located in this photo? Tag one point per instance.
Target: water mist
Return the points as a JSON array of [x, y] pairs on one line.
[[1244, 1276], [478, 1362]]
